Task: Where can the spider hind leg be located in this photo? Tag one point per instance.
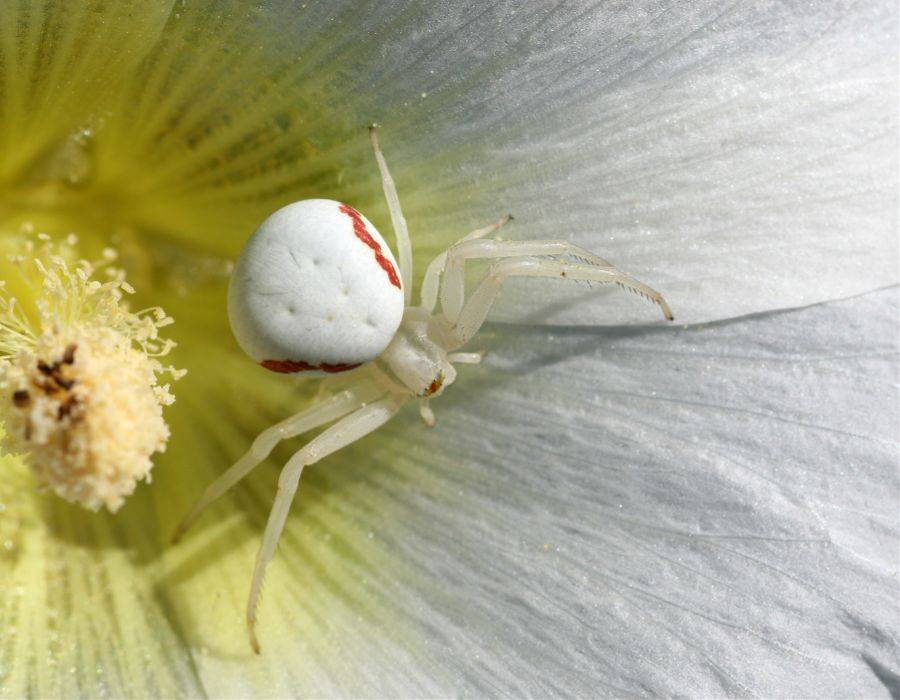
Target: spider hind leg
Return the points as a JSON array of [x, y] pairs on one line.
[[325, 411], [347, 430]]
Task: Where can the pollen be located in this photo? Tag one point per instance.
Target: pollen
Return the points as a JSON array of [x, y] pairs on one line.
[[80, 391]]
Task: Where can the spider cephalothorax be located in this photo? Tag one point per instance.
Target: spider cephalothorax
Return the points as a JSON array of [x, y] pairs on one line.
[[317, 291]]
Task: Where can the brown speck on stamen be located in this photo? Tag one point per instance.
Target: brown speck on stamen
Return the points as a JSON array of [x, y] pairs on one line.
[[69, 354], [62, 381], [48, 387], [66, 408], [56, 380], [21, 398]]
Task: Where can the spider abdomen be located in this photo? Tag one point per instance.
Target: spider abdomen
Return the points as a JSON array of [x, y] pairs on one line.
[[315, 290]]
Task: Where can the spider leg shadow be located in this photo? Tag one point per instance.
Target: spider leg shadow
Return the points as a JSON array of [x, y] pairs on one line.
[[532, 348], [540, 344], [187, 563]]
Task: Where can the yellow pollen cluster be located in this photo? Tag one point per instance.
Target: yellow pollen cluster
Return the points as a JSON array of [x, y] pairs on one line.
[[79, 391]]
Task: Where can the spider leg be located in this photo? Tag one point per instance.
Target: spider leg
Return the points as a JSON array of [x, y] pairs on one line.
[[318, 414], [349, 429], [428, 417], [453, 289], [429, 293], [467, 358], [479, 303], [401, 232]]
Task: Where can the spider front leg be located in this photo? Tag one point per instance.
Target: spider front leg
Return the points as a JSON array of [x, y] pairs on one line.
[[476, 307], [349, 429], [323, 412], [429, 294], [467, 358], [453, 288], [398, 221], [428, 417]]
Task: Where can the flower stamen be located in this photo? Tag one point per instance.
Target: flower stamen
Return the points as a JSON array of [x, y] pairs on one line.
[[79, 372]]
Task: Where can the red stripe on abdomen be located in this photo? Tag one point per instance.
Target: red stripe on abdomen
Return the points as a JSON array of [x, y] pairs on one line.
[[292, 366], [359, 228]]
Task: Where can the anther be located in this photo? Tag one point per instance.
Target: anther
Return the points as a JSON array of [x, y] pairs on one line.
[[69, 354]]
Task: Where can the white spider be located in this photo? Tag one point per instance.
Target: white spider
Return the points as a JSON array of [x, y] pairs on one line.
[[418, 362]]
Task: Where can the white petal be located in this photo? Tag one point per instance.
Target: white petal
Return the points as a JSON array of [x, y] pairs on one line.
[[700, 512], [737, 158]]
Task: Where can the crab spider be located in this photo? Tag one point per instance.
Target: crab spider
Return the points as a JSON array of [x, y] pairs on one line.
[[412, 353]]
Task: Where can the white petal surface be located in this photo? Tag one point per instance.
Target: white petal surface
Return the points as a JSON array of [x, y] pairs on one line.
[[738, 157], [703, 512]]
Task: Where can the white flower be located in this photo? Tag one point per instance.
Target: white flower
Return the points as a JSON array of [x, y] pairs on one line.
[[706, 511]]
